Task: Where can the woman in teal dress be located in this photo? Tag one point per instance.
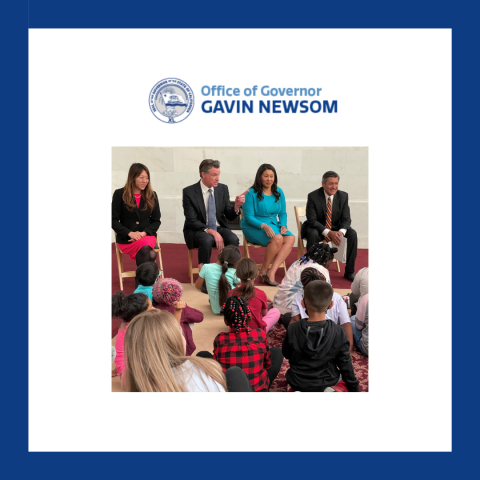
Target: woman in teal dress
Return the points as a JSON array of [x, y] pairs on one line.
[[264, 221]]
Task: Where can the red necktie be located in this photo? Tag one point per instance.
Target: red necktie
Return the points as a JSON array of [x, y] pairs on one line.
[[329, 214]]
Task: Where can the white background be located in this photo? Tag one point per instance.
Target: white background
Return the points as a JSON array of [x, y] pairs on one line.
[[89, 91]]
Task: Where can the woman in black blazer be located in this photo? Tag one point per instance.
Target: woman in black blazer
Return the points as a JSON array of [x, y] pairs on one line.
[[136, 215]]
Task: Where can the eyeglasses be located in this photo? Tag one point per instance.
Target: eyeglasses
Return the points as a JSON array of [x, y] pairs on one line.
[[143, 178]]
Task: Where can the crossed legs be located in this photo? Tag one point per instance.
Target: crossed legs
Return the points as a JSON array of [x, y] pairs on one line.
[[278, 249], [145, 254]]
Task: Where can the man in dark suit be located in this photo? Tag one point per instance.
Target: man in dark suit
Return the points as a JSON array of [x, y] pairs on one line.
[[328, 218], [206, 206]]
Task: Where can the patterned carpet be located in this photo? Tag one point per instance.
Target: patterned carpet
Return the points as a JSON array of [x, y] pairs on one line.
[[275, 339]]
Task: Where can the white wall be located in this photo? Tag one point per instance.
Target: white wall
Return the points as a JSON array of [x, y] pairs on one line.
[[299, 171]]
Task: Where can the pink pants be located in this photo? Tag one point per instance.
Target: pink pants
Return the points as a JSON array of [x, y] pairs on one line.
[[271, 318]]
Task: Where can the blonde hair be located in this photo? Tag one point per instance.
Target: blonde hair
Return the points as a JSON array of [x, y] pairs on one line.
[[153, 348]]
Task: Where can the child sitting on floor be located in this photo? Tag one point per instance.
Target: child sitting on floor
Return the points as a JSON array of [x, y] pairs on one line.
[[126, 307], [262, 318], [359, 289], [244, 347], [338, 313], [146, 275], [318, 349], [360, 325], [166, 294], [220, 276], [320, 257], [156, 361]]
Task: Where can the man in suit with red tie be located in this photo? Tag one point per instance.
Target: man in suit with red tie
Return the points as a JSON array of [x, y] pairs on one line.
[[328, 218]]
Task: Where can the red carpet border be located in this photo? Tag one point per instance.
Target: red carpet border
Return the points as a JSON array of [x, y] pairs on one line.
[[175, 265]]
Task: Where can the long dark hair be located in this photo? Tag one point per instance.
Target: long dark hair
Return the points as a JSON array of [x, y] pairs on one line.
[[247, 270], [127, 307], [228, 258], [258, 185], [148, 194]]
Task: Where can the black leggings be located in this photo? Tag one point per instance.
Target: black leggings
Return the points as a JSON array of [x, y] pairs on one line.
[[145, 254], [237, 380], [277, 360]]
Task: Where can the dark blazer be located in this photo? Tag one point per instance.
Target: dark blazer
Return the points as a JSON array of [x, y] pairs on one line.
[[124, 221], [317, 212], [196, 215]]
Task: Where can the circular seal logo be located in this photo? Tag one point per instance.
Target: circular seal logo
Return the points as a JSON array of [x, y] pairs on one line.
[[171, 100]]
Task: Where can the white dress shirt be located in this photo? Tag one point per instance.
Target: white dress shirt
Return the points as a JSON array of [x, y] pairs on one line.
[[338, 313], [327, 231], [206, 196]]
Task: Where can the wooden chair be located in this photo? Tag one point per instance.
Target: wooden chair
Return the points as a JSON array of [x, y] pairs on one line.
[[246, 253], [191, 270], [131, 273], [158, 249], [301, 212]]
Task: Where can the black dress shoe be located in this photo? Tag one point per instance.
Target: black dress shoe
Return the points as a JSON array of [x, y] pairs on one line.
[[349, 276], [266, 280]]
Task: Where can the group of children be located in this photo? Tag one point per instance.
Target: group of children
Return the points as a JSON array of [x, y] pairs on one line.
[[156, 331]]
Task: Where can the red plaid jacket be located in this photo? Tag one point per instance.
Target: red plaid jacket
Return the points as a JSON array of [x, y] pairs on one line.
[[250, 352]]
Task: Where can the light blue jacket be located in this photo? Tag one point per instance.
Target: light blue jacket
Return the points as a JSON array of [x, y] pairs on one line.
[[256, 212]]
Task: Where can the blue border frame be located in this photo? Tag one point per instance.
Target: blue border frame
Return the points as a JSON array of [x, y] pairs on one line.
[[457, 15]]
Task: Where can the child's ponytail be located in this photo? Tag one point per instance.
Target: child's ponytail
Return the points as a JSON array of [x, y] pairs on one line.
[[247, 270], [118, 305], [228, 258]]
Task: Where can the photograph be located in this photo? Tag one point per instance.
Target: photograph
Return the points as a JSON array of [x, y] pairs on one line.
[[239, 269]]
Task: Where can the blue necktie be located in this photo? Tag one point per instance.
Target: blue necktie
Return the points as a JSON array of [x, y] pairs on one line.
[[212, 223]]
